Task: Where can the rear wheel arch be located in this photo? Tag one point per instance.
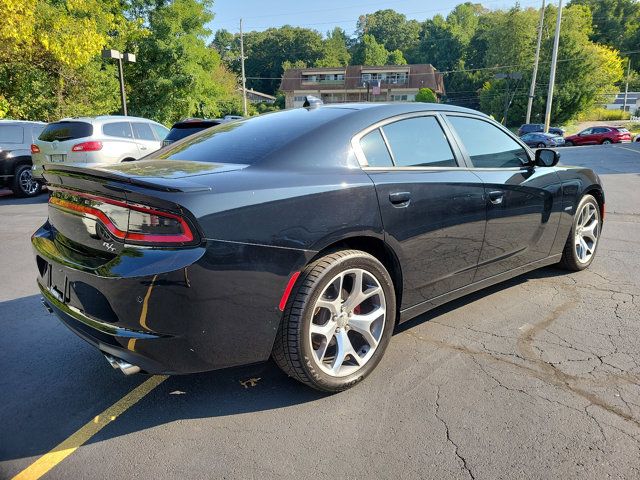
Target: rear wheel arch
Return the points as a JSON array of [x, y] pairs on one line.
[[598, 194], [378, 249]]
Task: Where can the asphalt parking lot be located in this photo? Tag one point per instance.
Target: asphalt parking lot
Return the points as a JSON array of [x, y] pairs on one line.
[[538, 377]]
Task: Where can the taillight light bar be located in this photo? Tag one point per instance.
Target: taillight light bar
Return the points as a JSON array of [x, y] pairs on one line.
[[185, 235], [92, 146]]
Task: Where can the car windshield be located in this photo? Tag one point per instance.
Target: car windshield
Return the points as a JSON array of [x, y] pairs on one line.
[[248, 141], [62, 131]]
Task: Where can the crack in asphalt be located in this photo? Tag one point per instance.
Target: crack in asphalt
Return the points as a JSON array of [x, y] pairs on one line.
[[544, 370], [449, 439]]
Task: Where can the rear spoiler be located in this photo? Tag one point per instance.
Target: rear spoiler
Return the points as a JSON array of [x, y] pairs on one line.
[[69, 175]]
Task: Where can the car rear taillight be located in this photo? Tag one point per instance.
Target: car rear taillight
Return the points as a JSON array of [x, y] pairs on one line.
[[125, 221], [35, 148], [87, 147]]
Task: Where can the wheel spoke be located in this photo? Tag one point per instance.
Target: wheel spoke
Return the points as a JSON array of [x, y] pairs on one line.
[[325, 330], [344, 348], [362, 325], [590, 231], [332, 305]]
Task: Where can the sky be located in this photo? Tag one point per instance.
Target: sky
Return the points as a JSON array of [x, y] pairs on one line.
[[324, 15]]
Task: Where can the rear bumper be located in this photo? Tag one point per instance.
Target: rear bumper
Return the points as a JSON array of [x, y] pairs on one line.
[[170, 311]]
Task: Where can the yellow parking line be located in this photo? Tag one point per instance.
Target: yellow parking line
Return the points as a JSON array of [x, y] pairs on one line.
[[52, 458]]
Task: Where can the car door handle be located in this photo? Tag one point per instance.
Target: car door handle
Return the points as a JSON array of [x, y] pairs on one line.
[[142, 147], [400, 198], [496, 197]]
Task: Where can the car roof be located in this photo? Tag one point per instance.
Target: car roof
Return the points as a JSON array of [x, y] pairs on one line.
[[399, 107], [106, 118], [21, 122]]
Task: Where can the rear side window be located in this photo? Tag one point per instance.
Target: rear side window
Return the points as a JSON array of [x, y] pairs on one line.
[[142, 131], [249, 141], [117, 129], [160, 131], [375, 150], [11, 134], [487, 145], [62, 131], [419, 142]]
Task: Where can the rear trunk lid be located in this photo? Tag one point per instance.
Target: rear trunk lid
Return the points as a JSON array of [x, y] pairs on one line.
[[101, 211]]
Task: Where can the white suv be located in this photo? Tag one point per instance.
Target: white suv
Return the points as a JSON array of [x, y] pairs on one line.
[[104, 139]]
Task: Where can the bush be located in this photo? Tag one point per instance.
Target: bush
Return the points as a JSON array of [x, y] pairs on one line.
[[603, 114], [426, 95]]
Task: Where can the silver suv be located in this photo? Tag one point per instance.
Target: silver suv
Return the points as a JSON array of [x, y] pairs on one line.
[[104, 139], [16, 137]]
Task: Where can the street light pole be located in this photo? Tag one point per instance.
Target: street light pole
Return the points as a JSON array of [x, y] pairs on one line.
[[123, 95], [128, 57], [244, 79], [552, 74], [534, 75]]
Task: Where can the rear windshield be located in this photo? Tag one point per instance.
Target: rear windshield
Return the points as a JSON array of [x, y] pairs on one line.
[[248, 141], [62, 131], [180, 131], [623, 130]]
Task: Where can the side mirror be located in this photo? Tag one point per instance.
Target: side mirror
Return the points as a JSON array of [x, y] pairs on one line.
[[545, 157]]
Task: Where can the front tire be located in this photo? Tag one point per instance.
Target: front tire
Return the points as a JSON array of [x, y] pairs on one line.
[[584, 236], [337, 322], [24, 185]]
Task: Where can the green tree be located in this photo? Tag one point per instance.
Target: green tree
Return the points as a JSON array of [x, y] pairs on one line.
[[369, 52], [396, 58], [267, 51], [335, 52], [177, 75], [391, 29], [426, 95]]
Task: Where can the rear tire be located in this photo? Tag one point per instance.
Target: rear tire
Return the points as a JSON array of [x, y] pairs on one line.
[[583, 240], [607, 142], [24, 185], [541, 145], [568, 143], [319, 342]]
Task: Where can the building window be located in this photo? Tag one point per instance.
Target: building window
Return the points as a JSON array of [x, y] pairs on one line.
[[399, 98], [299, 98]]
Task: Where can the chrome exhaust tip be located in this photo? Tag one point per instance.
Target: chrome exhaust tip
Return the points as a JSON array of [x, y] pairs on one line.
[[125, 367]]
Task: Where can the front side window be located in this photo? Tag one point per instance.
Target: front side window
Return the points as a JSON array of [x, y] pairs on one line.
[[142, 131], [117, 129], [488, 146], [419, 142], [375, 150]]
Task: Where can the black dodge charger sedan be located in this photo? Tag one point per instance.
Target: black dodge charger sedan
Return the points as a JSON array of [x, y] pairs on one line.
[[306, 235]]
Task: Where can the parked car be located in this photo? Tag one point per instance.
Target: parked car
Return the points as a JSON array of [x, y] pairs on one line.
[[92, 140], [599, 136], [637, 139], [188, 127], [542, 140], [538, 128], [305, 234], [16, 137]]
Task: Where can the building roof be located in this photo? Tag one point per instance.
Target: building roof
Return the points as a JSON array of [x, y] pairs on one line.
[[258, 94], [420, 75]]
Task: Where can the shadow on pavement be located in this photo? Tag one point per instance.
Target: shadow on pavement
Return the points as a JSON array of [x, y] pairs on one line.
[[8, 198], [53, 382]]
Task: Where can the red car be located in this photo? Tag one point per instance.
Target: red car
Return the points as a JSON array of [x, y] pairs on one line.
[[599, 136]]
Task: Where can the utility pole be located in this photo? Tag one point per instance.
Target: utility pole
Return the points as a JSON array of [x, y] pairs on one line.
[[626, 87], [554, 62], [532, 88], [244, 79]]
